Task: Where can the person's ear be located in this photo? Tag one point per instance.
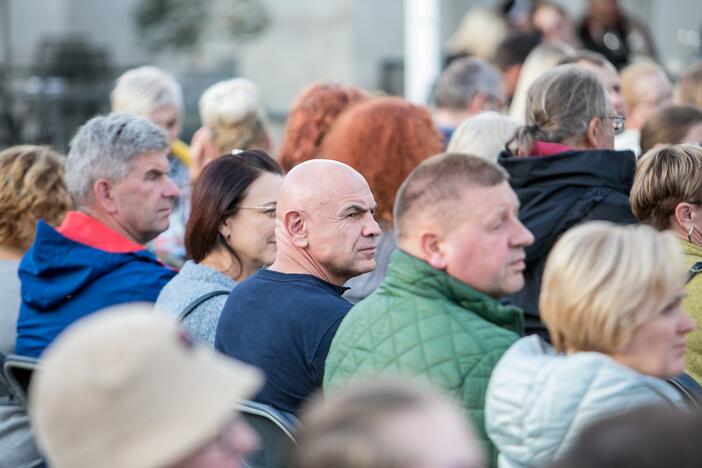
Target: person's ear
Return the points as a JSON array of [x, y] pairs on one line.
[[684, 215], [296, 228], [103, 194], [592, 135], [432, 250], [225, 227]]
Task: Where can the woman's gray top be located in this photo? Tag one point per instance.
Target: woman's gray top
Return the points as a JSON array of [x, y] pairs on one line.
[[192, 282], [10, 300]]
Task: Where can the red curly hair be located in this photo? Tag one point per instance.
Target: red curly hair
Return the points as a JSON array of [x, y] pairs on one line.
[[383, 139], [310, 117]]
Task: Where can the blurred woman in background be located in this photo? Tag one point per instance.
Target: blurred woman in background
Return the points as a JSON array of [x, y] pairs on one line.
[[688, 89], [232, 117], [672, 125], [311, 116]]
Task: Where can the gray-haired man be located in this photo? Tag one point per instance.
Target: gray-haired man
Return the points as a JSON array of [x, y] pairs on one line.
[[117, 175], [467, 87]]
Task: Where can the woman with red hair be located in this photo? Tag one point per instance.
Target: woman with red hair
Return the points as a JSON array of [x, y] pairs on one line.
[[383, 139], [311, 115]]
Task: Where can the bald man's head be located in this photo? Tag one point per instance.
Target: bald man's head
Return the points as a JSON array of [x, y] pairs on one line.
[[325, 221], [315, 181]]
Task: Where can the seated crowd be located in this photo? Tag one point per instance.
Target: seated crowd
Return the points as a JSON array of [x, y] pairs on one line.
[[420, 287]]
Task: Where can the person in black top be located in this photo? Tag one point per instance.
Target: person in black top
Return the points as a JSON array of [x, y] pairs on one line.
[[564, 170], [283, 319]]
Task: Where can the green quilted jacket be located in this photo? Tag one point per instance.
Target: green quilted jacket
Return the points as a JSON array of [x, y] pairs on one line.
[[422, 323]]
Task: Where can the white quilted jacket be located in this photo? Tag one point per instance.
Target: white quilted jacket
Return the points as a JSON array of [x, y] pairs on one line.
[[538, 401]]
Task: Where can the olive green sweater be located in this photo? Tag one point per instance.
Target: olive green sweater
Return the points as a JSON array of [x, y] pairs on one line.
[[693, 306]]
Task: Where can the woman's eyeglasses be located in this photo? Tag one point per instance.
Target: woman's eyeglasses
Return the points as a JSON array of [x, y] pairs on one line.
[[268, 210]]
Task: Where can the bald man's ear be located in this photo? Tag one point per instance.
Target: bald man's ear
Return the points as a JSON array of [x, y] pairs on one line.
[[296, 228], [431, 250]]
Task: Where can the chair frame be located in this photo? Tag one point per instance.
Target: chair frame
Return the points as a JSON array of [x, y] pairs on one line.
[[285, 422], [10, 367]]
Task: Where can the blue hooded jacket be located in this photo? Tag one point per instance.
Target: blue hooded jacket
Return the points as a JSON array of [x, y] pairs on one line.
[[64, 280]]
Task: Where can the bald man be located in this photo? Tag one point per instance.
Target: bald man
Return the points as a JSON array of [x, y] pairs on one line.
[[282, 319]]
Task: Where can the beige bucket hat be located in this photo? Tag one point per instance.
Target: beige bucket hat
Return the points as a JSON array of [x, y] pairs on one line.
[[125, 388]]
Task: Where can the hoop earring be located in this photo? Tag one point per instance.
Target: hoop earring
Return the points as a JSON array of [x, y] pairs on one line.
[[689, 234]]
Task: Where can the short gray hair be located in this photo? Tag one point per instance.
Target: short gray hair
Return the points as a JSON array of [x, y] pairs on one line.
[[560, 105], [104, 148], [463, 79], [142, 90]]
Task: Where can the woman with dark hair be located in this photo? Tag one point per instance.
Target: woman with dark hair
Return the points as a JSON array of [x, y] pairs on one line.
[[229, 236], [383, 139]]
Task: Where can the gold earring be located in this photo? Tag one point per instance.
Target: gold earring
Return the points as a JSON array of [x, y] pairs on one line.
[[689, 234]]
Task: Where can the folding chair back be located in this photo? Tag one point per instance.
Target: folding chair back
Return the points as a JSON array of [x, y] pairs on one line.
[[276, 430], [18, 371], [690, 389]]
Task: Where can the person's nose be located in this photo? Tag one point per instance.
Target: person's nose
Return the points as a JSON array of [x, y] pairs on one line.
[[522, 237], [171, 189], [372, 228], [687, 324]]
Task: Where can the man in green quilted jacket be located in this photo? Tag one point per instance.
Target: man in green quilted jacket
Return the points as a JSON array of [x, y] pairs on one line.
[[437, 315]]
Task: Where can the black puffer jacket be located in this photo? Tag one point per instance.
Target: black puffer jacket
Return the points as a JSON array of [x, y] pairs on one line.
[[557, 192]]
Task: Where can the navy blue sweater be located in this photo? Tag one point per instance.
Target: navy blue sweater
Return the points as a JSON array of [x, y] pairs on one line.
[[283, 324]]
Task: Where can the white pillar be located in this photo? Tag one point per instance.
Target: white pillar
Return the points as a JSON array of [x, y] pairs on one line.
[[422, 48]]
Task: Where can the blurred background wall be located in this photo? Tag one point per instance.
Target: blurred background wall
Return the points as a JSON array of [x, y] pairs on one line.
[[354, 41]]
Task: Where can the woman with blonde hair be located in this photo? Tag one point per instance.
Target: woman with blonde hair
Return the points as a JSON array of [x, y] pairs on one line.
[[484, 135], [618, 329], [232, 117], [667, 194], [32, 187], [688, 89]]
